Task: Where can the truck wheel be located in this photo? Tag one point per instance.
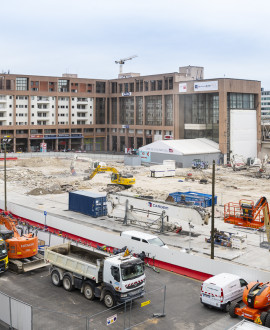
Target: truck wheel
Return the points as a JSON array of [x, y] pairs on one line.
[[109, 300], [232, 307], [56, 279], [267, 321], [67, 283], [263, 317], [88, 292]]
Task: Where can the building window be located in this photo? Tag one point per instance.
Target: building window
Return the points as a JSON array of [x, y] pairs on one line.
[[127, 110], [100, 110], [241, 101], [21, 84], [153, 110], [146, 86], [100, 87], [168, 83], [63, 85], [168, 110], [139, 110], [114, 87], [153, 85]]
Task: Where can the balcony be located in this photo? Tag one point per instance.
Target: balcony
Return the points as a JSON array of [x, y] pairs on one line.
[[3, 99], [82, 100], [43, 100], [43, 110]]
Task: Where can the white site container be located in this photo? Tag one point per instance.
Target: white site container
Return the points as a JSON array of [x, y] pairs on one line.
[[164, 170], [239, 241]]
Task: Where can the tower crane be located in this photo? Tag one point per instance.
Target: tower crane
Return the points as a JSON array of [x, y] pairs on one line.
[[123, 60]]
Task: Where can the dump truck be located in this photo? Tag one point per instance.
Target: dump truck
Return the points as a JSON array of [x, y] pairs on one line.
[[111, 278]]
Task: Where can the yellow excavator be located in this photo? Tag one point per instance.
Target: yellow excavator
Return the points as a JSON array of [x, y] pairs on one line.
[[125, 180]]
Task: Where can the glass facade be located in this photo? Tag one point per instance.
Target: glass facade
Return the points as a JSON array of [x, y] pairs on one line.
[[63, 85], [100, 110], [139, 110], [168, 110], [241, 101], [153, 110], [202, 109], [21, 84], [114, 111], [127, 110]]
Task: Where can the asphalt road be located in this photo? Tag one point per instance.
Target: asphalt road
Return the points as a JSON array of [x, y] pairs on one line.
[[55, 308]]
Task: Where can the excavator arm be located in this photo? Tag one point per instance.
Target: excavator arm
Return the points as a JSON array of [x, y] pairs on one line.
[[9, 222], [103, 169]]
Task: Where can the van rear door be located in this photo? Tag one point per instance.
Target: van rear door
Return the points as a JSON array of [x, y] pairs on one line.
[[211, 294]]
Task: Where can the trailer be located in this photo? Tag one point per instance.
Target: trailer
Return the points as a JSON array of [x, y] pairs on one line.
[[111, 278]]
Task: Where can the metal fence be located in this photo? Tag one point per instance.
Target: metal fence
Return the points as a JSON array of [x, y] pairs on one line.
[[15, 313], [92, 155], [22, 316], [131, 314]]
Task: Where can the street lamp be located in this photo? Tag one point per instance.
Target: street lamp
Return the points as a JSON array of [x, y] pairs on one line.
[[5, 140]]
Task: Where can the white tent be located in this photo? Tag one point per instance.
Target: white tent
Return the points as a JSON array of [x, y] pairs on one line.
[[182, 151]]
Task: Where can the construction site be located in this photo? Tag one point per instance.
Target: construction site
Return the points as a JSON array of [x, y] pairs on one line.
[[44, 197]]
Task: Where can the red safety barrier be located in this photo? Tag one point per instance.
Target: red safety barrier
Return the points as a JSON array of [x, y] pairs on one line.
[[153, 262], [10, 158]]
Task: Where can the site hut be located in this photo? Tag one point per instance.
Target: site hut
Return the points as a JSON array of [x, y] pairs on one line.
[[130, 111], [183, 152]]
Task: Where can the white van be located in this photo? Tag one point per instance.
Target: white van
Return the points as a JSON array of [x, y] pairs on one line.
[[144, 238], [220, 290]]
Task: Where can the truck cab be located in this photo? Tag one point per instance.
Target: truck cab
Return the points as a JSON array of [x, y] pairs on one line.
[[3, 256], [125, 275]]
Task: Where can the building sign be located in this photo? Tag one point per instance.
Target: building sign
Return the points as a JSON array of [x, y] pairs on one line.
[[125, 126], [63, 135], [168, 137], [36, 136], [76, 135], [206, 86], [182, 88], [43, 147], [111, 319], [126, 94], [145, 156]]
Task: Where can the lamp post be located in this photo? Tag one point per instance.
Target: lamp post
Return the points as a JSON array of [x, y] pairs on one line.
[[5, 140]]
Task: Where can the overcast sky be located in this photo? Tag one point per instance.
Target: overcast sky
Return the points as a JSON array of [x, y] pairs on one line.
[[49, 37]]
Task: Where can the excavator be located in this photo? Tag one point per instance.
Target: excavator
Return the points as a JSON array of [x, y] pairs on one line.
[[247, 214], [256, 298], [22, 249], [124, 180]]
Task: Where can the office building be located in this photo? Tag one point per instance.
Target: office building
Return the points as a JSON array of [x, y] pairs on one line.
[[108, 115]]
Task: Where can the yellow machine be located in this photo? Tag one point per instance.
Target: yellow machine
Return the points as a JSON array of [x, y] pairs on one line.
[[3, 256], [126, 180]]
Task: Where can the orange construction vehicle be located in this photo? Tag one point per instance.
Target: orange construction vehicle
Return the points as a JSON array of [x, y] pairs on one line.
[[256, 297], [20, 247], [246, 213]]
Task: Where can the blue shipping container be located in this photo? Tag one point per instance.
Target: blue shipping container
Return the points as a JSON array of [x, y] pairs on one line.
[[89, 203], [204, 200]]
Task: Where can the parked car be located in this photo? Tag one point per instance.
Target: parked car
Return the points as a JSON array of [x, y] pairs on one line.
[[144, 238]]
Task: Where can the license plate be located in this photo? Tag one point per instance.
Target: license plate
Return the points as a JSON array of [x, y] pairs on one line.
[[133, 293]]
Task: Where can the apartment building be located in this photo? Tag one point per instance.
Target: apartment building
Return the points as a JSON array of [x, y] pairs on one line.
[[108, 115], [265, 120]]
